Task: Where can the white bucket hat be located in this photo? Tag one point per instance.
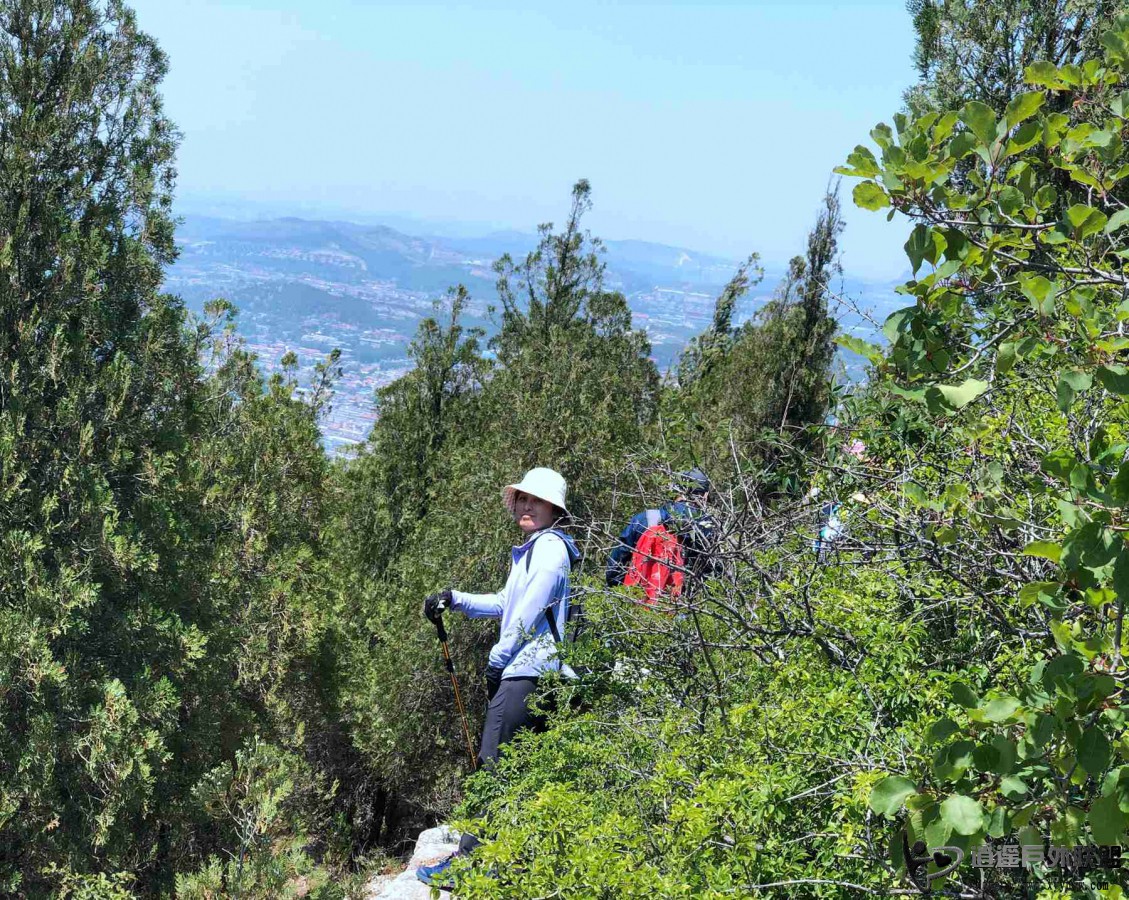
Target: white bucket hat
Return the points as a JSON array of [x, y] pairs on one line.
[[546, 484]]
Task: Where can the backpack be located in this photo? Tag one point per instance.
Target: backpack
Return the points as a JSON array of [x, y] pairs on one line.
[[657, 562]]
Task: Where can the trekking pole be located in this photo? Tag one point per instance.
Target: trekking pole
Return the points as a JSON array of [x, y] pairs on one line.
[[458, 695]]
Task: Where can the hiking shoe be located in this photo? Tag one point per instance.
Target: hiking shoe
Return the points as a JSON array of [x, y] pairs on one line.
[[438, 875]]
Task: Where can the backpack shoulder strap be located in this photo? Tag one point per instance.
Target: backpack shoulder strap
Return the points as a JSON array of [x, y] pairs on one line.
[[550, 616]]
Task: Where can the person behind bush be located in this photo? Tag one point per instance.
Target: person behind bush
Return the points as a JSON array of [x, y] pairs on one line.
[[685, 518], [533, 606]]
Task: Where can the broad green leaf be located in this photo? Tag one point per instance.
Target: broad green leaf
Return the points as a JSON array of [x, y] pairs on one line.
[[1039, 291], [980, 118], [1070, 383], [1085, 220], [1011, 200], [960, 395], [1107, 821], [963, 813], [892, 326], [1059, 463], [964, 696], [1066, 830], [1114, 379], [1044, 550], [963, 144], [951, 762], [1118, 490], [890, 793], [857, 345], [1043, 592], [920, 246], [1120, 580], [882, 135], [1118, 220], [862, 163], [942, 729], [1013, 788], [1005, 357], [1024, 106], [1093, 751], [1044, 73], [869, 195], [1000, 709], [1062, 671], [1000, 822], [916, 493]]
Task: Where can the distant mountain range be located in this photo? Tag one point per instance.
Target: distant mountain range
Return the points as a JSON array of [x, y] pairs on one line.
[[311, 285]]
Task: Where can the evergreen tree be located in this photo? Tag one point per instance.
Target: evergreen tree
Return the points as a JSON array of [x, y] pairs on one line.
[[160, 528], [978, 49], [771, 375]]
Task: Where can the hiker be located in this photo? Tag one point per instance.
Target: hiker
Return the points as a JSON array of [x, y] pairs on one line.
[[660, 546], [534, 609], [832, 513]]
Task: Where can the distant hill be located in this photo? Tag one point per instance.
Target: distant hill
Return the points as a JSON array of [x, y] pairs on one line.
[[311, 285]]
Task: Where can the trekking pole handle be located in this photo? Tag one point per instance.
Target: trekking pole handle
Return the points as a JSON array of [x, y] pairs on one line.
[[442, 629]]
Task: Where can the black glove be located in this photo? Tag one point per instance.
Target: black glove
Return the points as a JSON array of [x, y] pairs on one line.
[[434, 605], [493, 681]]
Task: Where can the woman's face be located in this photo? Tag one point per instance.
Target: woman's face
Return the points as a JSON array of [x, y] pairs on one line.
[[532, 513]]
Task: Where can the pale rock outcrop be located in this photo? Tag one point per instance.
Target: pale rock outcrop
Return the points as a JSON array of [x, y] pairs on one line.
[[432, 846]]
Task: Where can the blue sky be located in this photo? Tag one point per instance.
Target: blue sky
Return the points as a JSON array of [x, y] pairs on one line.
[[713, 126]]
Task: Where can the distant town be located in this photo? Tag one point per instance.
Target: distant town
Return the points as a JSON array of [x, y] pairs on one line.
[[310, 286]]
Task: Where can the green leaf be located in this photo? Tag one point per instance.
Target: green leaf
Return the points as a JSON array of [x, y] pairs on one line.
[[1024, 107], [963, 144], [1120, 581], [1011, 200], [999, 822], [1118, 220], [861, 163], [960, 395], [919, 246], [1093, 751], [1039, 291], [1071, 383], [942, 729], [1013, 788], [1107, 821], [1085, 220], [869, 195], [1005, 357], [964, 696], [857, 345], [1044, 550], [1000, 709], [882, 135], [1043, 592], [1114, 379], [1044, 73], [890, 793], [964, 814], [1118, 490], [980, 119], [891, 328]]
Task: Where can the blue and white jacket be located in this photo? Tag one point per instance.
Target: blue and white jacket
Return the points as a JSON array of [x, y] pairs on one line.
[[536, 588]]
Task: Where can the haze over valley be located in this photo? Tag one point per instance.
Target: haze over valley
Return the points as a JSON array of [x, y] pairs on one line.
[[308, 286]]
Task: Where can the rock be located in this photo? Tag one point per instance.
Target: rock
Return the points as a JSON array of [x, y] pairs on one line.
[[432, 846]]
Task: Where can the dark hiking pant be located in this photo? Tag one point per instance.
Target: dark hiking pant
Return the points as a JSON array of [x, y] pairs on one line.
[[507, 713]]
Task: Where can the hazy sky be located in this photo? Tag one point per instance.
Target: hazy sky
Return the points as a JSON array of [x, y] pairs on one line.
[[713, 126]]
